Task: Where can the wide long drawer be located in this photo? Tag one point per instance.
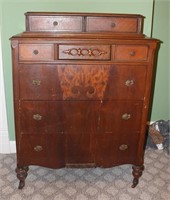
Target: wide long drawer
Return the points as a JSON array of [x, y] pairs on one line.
[[81, 82], [64, 117]]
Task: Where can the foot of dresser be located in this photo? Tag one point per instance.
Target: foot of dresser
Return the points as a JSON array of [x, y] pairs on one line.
[[21, 175], [137, 173]]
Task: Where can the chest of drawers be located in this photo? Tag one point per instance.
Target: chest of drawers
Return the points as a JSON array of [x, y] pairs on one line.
[[82, 87]]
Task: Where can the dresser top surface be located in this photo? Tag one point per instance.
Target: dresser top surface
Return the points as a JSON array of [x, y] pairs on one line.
[[82, 14], [83, 36]]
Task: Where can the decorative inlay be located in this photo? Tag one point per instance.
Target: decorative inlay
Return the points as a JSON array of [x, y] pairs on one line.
[[83, 81], [84, 52]]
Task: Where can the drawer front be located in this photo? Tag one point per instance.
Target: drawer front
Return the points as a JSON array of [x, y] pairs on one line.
[[39, 82], [111, 151], [126, 82], [41, 117], [116, 114], [81, 82], [45, 150], [112, 24], [55, 23], [131, 53], [36, 52], [84, 52]]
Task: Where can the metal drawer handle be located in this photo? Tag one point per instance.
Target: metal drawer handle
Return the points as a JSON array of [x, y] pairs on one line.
[[55, 23], [129, 82], [37, 117], [123, 147], [126, 116], [132, 53], [113, 25], [38, 148], [36, 82], [36, 52]]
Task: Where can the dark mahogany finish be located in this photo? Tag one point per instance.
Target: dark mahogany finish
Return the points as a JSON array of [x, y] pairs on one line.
[[82, 85]]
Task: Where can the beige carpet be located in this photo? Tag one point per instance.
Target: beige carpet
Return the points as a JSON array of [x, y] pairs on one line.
[[88, 184]]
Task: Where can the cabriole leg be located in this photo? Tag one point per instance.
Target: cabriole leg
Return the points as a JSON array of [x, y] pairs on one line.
[[137, 173], [21, 175]]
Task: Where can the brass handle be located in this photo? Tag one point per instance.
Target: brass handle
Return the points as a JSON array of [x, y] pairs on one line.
[[126, 116], [55, 23], [132, 53], [37, 117], [129, 82], [123, 147], [38, 148], [113, 25], [36, 82], [35, 51]]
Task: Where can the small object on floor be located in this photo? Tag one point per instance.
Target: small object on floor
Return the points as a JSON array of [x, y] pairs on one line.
[[159, 135]]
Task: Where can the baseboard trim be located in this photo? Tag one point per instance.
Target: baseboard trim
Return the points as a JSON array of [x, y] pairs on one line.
[[6, 146], [4, 142], [13, 146]]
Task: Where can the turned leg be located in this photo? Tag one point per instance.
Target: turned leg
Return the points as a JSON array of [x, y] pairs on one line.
[[137, 173], [21, 175]]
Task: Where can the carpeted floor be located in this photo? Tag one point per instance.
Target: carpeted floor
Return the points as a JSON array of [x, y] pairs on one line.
[[88, 184]]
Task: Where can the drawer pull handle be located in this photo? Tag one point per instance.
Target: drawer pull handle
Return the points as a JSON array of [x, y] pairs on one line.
[[132, 53], [126, 116], [129, 82], [55, 23], [123, 147], [84, 52], [113, 25], [36, 52], [38, 148], [37, 117], [36, 82]]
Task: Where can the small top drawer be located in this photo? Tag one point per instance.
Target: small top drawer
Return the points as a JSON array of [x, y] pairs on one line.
[[131, 53], [84, 52], [54, 23], [113, 24], [36, 52]]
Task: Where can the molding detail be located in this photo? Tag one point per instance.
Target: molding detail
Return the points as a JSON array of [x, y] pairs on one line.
[[14, 44]]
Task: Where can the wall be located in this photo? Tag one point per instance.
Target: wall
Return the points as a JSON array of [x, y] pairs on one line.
[[161, 30], [169, 60], [13, 22]]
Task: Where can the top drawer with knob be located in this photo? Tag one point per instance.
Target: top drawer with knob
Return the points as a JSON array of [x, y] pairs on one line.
[[131, 53], [113, 24], [36, 52], [54, 23]]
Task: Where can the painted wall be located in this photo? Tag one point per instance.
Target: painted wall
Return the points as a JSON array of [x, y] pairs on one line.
[[13, 21], [161, 30]]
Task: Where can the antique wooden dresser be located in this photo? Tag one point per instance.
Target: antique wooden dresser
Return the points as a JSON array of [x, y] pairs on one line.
[[82, 89]]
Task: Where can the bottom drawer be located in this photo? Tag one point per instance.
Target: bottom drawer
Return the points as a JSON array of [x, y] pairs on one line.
[[115, 149], [46, 150]]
